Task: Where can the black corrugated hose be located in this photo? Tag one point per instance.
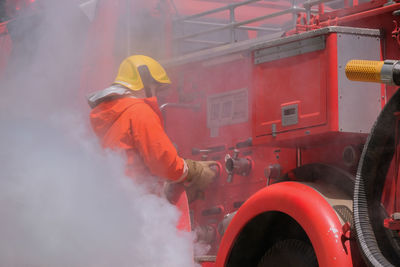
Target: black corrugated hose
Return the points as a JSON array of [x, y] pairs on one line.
[[379, 246]]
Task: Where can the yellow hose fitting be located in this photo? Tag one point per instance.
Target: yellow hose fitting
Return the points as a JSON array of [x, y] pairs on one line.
[[364, 70]]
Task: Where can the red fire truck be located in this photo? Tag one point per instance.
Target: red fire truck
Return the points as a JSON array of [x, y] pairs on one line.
[[265, 93], [309, 159]]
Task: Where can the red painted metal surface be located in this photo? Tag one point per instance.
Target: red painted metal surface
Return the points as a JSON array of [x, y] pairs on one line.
[[346, 20], [316, 85], [392, 224], [206, 79], [356, 9], [305, 84], [308, 208], [309, 80], [183, 206]]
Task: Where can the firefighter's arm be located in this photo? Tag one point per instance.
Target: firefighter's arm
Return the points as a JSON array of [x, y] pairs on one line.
[[154, 146], [160, 155]]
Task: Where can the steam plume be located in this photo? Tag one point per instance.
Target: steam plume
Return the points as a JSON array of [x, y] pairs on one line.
[[63, 200]]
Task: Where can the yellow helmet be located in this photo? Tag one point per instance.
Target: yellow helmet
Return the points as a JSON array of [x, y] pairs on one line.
[[130, 75]]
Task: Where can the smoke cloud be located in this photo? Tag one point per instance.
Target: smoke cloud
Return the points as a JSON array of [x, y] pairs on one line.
[[64, 201]]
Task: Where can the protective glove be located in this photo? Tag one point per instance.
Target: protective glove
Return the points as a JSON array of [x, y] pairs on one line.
[[200, 175]]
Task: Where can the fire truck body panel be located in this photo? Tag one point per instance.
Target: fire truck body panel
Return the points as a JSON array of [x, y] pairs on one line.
[[304, 111], [312, 100], [304, 99], [221, 87]]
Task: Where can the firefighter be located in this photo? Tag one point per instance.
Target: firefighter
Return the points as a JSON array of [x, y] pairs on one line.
[[126, 116]]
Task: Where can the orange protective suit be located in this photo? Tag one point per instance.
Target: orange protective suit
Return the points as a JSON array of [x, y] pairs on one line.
[[135, 125]]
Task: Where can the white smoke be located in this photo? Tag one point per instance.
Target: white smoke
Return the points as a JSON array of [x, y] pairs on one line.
[[64, 201]]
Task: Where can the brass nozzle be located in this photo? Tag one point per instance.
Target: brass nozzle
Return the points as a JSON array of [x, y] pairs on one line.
[[364, 70]]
